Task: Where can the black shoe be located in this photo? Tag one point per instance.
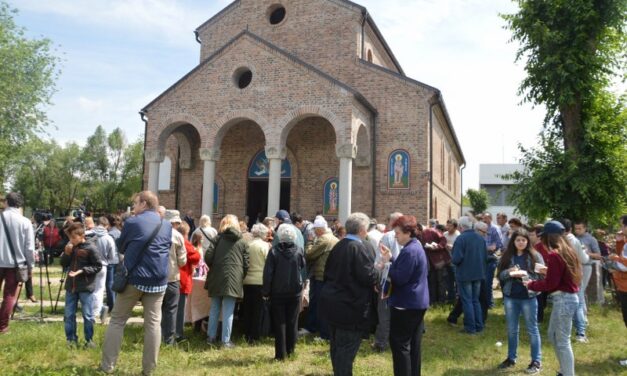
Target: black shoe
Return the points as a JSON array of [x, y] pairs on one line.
[[533, 368], [378, 348], [451, 322], [507, 363], [180, 339]]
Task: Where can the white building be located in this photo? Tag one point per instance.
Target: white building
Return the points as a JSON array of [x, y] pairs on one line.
[[491, 179]]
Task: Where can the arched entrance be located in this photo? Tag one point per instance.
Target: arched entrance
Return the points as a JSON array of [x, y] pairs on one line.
[[257, 197]]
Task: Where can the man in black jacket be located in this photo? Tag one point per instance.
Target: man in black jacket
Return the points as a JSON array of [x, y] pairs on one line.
[[84, 262], [346, 300]]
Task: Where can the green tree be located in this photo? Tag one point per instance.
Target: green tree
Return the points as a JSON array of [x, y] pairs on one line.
[[28, 71], [573, 51], [479, 200]]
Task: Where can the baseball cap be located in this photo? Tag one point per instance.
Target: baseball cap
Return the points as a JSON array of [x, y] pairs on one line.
[[552, 227]]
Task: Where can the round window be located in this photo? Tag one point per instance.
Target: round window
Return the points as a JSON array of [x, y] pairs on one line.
[[243, 77], [277, 14]]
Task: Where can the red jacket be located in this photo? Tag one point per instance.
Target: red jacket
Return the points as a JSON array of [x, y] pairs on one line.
[[51, 237], [557, 277], [187, 271]]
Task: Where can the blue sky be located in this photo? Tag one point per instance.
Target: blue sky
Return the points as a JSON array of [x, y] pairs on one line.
[[118, 55]]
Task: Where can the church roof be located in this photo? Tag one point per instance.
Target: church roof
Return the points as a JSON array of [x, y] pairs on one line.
[[358, 96]]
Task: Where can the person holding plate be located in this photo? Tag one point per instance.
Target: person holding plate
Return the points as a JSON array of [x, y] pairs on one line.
[[519, 263]]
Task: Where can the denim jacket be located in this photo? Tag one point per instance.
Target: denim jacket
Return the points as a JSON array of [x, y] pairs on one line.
[[506, 280]]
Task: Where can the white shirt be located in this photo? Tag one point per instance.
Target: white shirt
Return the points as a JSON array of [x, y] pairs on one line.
[[22, 237], [450, 238]]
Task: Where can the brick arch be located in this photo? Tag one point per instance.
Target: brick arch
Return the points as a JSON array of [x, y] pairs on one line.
[[221, 127], [293, 117], [172, 122]]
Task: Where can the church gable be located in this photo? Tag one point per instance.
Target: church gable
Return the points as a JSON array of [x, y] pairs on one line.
[[251, 74], [325, 33]]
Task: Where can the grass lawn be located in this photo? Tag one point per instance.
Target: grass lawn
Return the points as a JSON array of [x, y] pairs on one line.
[[33, 348]]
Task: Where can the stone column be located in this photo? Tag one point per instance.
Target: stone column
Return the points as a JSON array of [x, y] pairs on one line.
[[154, 157], [346, 153], [275, 156], [209, 156]]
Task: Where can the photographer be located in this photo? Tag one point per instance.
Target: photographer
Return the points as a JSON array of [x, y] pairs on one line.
[[50, 238]]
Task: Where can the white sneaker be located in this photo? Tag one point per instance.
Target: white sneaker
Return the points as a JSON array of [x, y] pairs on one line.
[[303, 332], [581, 339], [623, 363]]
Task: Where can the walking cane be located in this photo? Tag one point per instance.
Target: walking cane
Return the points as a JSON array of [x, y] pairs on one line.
[[17, 299]]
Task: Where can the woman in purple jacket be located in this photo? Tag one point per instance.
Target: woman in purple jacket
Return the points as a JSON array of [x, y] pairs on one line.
[[409, 298]]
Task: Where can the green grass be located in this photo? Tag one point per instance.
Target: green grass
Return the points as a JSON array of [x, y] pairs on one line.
[[39, 349]]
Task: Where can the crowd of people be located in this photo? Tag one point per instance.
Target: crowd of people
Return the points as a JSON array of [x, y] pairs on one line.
[[342, 281]]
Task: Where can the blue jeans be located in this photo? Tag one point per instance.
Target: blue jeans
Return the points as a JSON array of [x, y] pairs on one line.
[[529, 309], [226, 304], [560, 325], [108, 285], [469, 296], [581, 315], [489, 279], [69, 317]]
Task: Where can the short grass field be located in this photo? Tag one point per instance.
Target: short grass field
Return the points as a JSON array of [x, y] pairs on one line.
[[34, 348]]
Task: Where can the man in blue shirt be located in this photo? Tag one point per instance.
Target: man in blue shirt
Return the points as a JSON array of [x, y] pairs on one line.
[[469, 258], [147, 280], [495, 245]]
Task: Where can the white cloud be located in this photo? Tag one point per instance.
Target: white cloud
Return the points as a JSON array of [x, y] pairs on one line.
[[89, 105], [172, 21]]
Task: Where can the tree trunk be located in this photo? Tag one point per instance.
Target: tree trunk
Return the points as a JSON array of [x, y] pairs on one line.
[[572, 127]]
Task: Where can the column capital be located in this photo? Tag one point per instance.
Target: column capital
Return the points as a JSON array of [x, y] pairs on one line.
[[209, 154], [346, 151], [154, 155], [273, 152]]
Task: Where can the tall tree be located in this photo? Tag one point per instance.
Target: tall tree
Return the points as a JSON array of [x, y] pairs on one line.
[[479, 200], [28, 70], [572, 48], [573, 51]]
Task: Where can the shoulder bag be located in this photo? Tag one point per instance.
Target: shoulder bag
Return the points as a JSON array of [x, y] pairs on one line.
[[21, 272], [120, 278]]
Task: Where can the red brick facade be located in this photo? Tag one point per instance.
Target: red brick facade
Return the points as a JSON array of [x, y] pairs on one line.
[[313, 91]]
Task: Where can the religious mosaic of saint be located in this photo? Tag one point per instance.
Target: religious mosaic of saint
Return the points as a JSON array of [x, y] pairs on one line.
[[399, 170], [331, 197]]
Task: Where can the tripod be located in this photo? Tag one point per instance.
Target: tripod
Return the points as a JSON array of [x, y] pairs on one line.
[[63, 274]]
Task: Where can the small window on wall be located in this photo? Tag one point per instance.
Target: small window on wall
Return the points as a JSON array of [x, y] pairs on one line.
[[165, 169], [370, 56], [242, 77], [276, 14]]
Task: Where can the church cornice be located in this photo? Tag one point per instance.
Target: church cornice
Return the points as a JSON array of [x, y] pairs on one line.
[[245, 33]]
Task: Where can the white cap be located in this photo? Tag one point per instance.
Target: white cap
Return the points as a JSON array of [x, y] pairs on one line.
[[320, 222]]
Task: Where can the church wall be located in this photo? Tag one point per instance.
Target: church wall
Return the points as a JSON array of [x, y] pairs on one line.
[[312, 142], [319, 32]]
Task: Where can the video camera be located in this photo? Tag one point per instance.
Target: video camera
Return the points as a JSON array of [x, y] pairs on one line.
[[41, 216]]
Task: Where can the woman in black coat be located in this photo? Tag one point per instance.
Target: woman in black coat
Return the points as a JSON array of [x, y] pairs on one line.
[[283, 285]]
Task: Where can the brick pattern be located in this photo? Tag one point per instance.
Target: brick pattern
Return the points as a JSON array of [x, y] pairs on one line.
[[277, 108]]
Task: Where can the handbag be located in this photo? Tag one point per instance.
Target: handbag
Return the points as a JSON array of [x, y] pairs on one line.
[[266, 321], [122, 273], [22, 273]]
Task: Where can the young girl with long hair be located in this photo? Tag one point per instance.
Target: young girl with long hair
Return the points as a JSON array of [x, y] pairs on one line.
[[562, 282], [518, 263]]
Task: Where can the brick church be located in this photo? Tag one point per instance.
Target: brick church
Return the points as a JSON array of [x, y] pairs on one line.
[[301, 105]]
